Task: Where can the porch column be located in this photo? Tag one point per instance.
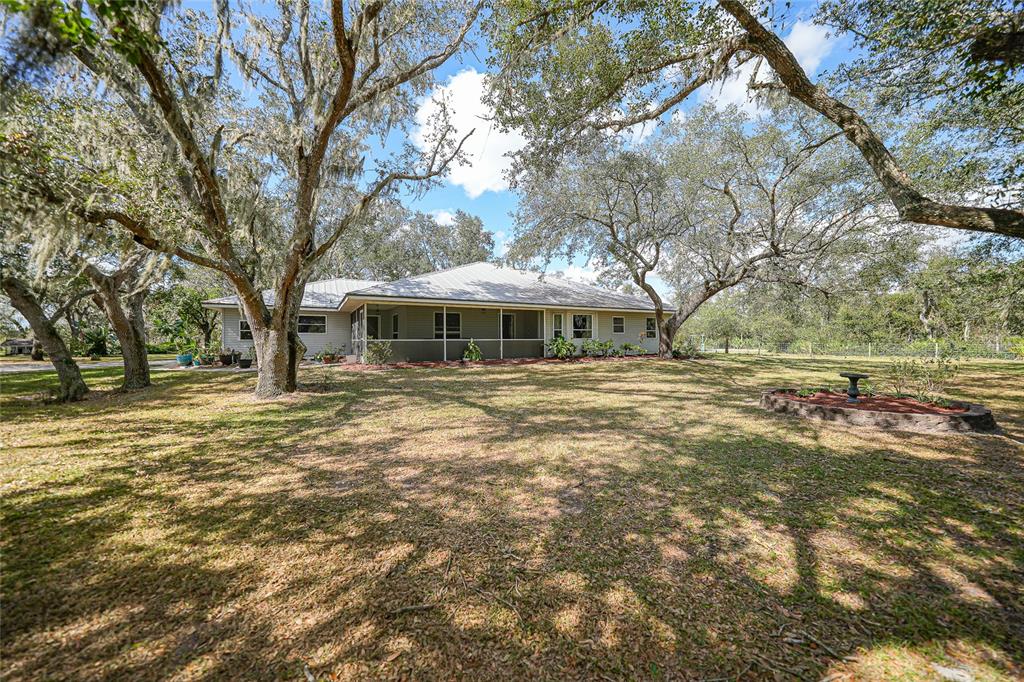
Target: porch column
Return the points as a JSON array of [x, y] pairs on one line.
[[501, 333], [543, 333], [444, 332], [366, 319]]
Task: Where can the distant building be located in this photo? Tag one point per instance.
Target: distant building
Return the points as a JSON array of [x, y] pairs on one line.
[[17, 347]]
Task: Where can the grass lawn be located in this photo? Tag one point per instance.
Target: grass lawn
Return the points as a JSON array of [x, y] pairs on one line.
[[620, 520], [82, 360]]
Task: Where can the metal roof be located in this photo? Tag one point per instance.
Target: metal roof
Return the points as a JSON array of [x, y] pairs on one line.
[[474, 283], [326, 294], [489, 283]]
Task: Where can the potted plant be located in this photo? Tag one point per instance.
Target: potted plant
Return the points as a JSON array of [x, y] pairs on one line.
[[227, 357], [207, 358], [184, 349], [246, 362]]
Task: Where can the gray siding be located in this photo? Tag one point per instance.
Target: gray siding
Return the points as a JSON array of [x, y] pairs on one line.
[[635, 326], [339, 332]]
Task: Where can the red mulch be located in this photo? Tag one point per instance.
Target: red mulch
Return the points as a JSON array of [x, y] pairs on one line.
[[878, 403], [508, 361]]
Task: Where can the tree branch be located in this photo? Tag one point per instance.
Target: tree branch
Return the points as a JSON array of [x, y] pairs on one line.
[[910, 203]]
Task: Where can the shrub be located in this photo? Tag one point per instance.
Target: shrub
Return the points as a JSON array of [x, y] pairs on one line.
[[926, 380], [562, 348], [378, 352], [1017, 346], [472, 352], [900, 375], [597, 348], [631, 348], [686, 349]]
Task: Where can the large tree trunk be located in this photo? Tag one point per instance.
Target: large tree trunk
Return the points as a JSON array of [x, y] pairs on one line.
[[278, 348], [129, 327], [273, 362], [666, 333], [296, 348], [136, 362], [72, 385]]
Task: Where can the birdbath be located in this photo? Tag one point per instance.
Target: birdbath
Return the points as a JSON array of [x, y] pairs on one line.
[[852, 391]]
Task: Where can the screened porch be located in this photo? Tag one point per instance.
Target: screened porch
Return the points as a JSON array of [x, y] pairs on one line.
[[435, 332]]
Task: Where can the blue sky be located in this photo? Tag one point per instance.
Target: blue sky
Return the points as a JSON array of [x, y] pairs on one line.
[[479, 188]]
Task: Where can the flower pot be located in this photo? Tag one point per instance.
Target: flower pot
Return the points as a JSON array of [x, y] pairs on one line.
[[196, 362], [184, 359], [245, 363], [227, 359], [328, 359]]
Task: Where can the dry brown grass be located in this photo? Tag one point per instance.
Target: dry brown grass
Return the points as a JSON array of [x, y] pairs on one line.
[[629, 520]]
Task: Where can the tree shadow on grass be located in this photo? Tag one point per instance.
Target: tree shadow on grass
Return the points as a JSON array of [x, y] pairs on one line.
[[511, 524]]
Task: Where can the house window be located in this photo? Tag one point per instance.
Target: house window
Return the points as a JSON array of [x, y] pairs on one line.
[[618, 325], [582, 326], [556, 324], [454, 325], [394, 326], [652, 328], [312, 324], [244, 331]]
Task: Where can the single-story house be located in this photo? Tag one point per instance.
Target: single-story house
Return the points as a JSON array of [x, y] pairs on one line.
[[508, 313], [17, 347]]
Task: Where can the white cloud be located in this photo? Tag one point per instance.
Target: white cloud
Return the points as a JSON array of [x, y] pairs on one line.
[[810, 45], [578, 274], [443, 216], [485, 161]]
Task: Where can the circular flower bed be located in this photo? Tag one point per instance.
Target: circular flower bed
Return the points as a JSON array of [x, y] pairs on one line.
[[881, 411]]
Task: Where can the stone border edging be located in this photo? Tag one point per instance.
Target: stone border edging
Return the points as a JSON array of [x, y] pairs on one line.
[[976, 418]]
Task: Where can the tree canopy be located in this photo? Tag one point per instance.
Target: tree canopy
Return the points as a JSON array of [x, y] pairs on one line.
[[569, 72], [270, 183]]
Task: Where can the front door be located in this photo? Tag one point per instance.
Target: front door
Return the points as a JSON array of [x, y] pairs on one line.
[[373, 326]]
